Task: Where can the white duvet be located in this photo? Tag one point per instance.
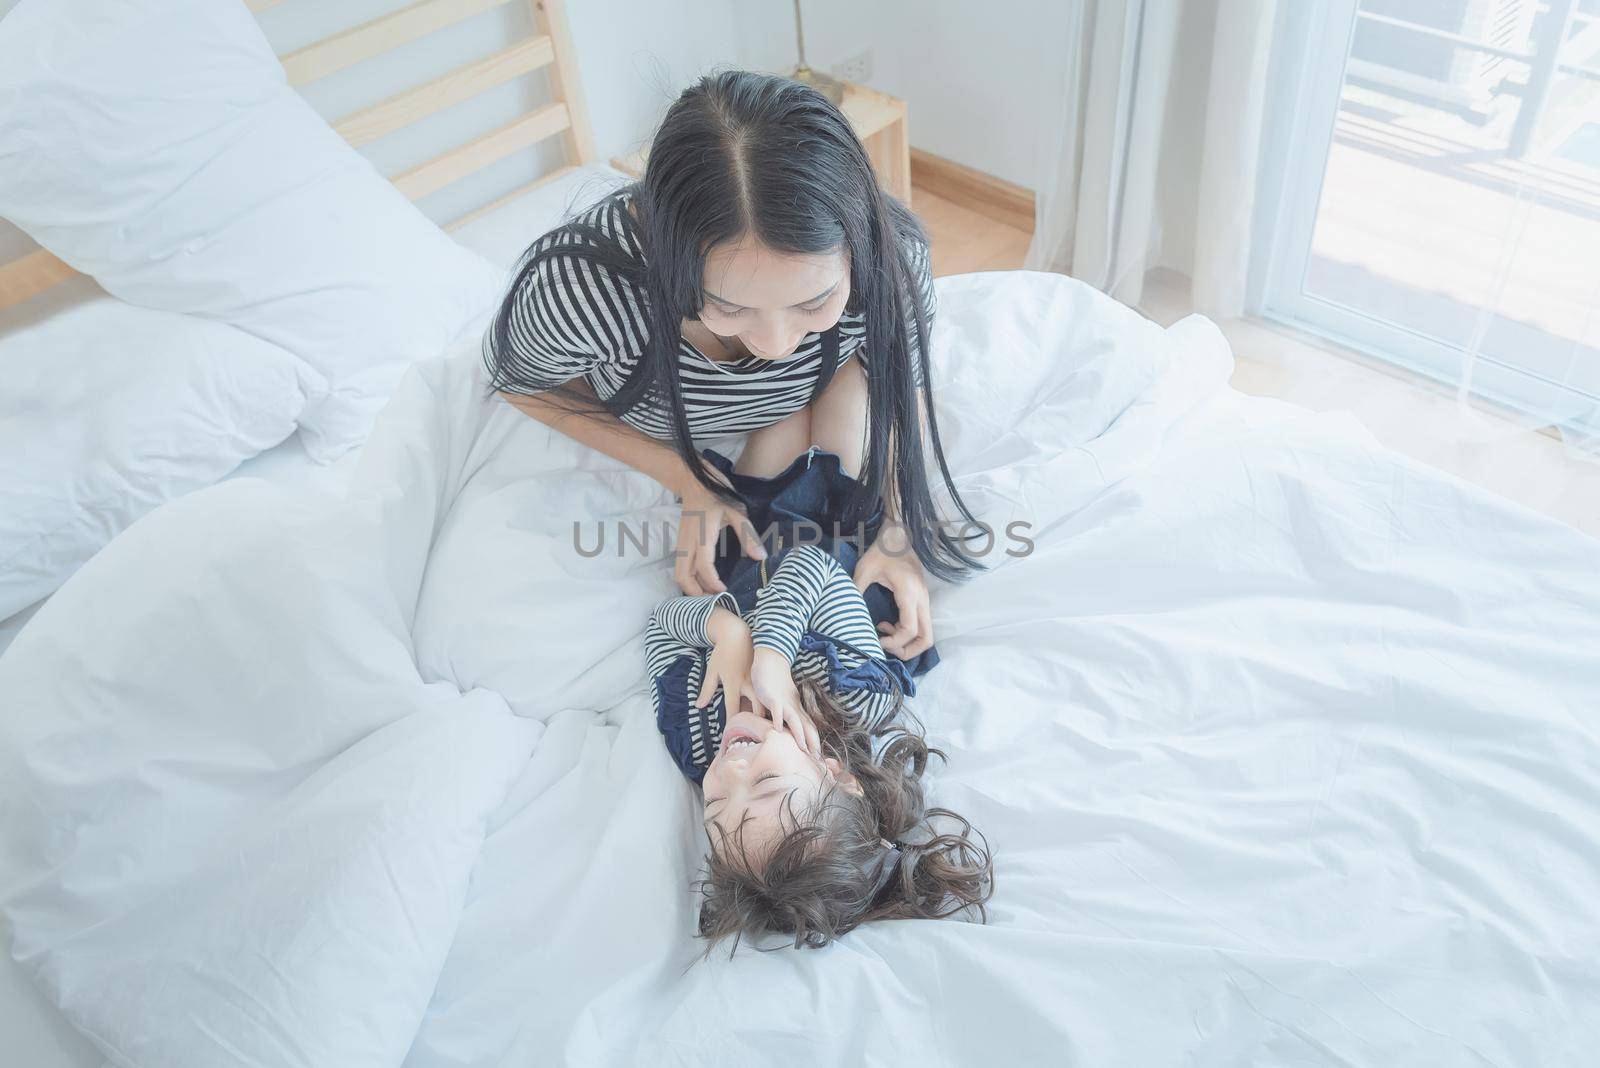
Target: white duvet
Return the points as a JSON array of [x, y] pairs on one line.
[[1287, 749]]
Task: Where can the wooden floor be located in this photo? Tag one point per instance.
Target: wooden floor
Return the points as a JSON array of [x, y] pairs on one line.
[[1408, 414], [964, 241]]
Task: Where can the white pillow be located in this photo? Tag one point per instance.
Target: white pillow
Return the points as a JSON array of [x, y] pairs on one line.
[[155, 145], [107, 410]]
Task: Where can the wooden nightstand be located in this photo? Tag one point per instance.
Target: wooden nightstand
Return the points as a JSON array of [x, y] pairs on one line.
[[880, 122]]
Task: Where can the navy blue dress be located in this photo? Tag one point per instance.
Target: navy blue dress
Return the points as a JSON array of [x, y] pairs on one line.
[[807, 502]]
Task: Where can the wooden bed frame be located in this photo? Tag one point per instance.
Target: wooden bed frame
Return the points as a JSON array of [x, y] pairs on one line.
[[549, 46]]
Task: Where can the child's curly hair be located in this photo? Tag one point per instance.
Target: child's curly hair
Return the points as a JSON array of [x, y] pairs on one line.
[[851, 859]]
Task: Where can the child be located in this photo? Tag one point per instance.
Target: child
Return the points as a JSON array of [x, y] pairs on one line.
[[788, 713]]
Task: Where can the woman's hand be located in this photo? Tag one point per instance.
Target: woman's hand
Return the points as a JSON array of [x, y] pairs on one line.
[[891, 563], [728, 666], [774, 695], [700, 524]]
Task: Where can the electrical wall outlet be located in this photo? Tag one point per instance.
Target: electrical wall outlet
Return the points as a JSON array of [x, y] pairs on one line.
[[858, 68]]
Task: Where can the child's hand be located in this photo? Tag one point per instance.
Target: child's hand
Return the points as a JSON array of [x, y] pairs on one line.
[[775, 695], [728, 666]]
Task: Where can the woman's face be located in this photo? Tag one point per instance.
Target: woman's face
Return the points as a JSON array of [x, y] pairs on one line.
[[771, 300], [761, 779]]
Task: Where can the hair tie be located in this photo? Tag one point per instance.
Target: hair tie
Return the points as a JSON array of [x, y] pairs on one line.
[[888, 865]]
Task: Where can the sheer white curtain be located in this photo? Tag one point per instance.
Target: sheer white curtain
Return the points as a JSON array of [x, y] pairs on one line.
[[1400, 231], [1154, 161], [1533, 351]]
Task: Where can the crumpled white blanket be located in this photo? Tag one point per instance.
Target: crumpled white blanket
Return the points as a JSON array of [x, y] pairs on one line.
[[1286, 747]]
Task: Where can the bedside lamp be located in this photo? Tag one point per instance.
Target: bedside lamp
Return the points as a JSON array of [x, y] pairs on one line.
[[826, 84]]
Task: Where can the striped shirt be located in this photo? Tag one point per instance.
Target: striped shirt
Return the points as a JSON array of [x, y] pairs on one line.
[[572, 318], [810, 612]]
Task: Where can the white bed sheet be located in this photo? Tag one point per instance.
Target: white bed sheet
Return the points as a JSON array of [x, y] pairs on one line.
[[1286, 746], [285, 465], [36, 1034]]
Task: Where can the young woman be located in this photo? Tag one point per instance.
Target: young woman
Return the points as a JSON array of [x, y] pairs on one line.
[[792, 720], [756, 281]]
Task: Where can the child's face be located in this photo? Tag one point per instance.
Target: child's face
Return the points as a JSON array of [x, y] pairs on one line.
[[759, 778]]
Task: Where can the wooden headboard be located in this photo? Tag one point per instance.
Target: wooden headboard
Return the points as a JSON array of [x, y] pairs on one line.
[[548, 46]]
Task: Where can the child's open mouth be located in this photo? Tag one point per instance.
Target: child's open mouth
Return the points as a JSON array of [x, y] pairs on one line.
[[738, 737]]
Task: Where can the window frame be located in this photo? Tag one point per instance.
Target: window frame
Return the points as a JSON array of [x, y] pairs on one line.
[[1308, 78]]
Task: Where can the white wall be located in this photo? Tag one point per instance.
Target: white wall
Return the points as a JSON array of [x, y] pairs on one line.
[[637, 55], [980, 78]]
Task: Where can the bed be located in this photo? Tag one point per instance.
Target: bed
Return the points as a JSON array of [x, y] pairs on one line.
[[164, 420], [37, 1036], [37, 288], [499, 236], [1286, 746]]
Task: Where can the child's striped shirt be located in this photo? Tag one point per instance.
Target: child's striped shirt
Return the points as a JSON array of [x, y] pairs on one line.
[[810, 611]]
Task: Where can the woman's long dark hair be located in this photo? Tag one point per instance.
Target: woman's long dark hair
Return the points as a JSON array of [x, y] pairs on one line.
[[851, 858], [761, 155]]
